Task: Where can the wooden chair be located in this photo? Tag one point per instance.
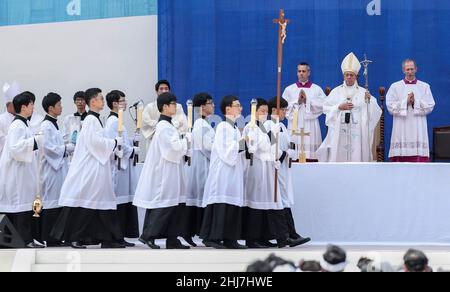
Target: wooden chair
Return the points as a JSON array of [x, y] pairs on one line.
[[441, 144], [380, 148]]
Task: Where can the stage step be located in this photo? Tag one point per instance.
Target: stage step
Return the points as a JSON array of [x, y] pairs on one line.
[[6, 260], [141, 259]]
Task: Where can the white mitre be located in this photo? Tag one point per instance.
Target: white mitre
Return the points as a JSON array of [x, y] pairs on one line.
[[351, 64], [11, 91]]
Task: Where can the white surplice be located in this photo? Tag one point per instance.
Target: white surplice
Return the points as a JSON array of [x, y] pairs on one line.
[[259, 178], [54, 164], [35, 122], [150, 118], [284, 174], [71, 123], [163, 181], [89, 182], [225, 182], [202, 141], [308, 114], [18, 169], [410, 128], [121, 178]]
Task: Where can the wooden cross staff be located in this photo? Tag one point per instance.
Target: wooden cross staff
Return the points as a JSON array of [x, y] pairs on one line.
[[282, 24]]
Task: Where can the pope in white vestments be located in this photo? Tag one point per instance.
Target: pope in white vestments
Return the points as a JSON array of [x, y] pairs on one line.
[[352, 115]]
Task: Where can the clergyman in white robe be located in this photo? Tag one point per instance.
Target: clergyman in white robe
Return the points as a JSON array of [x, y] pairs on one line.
[[87, 195], [162, 187], [224, 190], [19, 177], [202, 140], [264, 219], [123, 188], [409, 140], [54, 168], [308, 114]]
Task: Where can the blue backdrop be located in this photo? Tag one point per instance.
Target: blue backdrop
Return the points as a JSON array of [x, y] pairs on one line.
[[230, 46]]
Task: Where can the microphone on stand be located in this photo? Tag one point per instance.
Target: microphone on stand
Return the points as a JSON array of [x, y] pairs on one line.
[[136, 104]]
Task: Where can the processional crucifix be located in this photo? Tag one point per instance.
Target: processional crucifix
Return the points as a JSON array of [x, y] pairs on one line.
[[282, 24]]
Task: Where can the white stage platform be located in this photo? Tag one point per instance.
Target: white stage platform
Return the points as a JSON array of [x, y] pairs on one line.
[[373, 204]]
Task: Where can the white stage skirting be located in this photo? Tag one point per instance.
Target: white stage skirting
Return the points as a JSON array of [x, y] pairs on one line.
[[369, 203], [372, 203]]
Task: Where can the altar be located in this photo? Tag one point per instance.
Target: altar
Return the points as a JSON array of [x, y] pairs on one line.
[[373, 203]]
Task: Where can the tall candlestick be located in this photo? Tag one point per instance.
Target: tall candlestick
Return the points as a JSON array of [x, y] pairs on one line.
[[190, 106], [295, 119], [140, 111], [120, 123], [253, 116]]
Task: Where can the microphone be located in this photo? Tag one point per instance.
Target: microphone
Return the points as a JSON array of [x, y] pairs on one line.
[[136, 104]]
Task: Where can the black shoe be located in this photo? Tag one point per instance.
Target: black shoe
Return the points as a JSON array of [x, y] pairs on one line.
[[175, 244], [233, 244], [112, 245], [56, 244], [35, 245], [151, 243], [281, 243], [267, 243], [214, 244], [190, 241], [77, 245], [296, 242], [127, 244], [254, 244], [294, 236]]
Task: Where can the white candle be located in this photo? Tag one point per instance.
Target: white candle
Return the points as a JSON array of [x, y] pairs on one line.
[[253, 115], [120, 126], [190, 106], [140, 111]]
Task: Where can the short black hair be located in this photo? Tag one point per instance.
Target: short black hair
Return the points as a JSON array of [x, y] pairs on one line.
[[165, 99], [261, 102], [79, 94], [90, 94], [305, 64], [227, 101], [21, 100], [335, 255], [415, 260], [161, 82], [31, 95], [273, 104], [49, 100], [201, 99], [114, 96]]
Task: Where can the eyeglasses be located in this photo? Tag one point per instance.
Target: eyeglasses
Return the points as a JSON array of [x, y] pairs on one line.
[[210, 102]]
